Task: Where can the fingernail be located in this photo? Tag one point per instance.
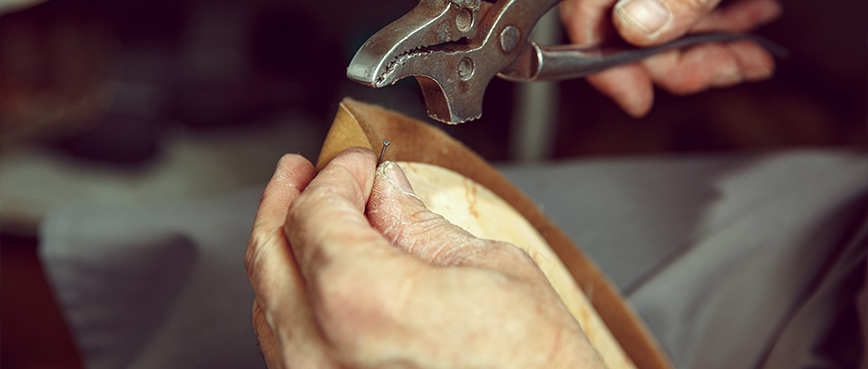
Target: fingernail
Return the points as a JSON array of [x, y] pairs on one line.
[[397, 177], [649, 15], [726, 80], [282, 163], [727, 77], [758, 73], [770, 12]]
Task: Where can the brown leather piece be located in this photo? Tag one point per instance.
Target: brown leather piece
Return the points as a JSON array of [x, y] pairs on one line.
[[415, 141]]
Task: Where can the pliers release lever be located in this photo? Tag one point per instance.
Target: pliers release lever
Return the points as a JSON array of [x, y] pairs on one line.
[[455, 47]]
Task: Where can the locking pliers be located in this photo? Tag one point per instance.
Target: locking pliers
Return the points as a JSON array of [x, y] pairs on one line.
[[455, 47]]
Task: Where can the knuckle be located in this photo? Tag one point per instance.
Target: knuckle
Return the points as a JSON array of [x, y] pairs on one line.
[[249, 260], [507, 250], [426, 223], [519, 260], [257, 245], [499, 255], [260, 323], [414, 231], [423, 216]]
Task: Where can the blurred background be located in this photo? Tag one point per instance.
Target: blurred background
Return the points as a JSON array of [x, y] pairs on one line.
[[144, 101]]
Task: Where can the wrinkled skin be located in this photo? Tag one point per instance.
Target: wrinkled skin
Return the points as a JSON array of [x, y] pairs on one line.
[[594, 22], [350, 270]]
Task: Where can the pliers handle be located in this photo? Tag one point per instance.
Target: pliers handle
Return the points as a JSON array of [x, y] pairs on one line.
[[549, 63]]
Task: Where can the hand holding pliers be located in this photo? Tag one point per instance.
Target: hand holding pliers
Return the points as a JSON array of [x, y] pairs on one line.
[[455, 47]]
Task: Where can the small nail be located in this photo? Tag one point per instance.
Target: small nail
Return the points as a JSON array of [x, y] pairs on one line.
[[383, 152], [649, 15], [397, 177]]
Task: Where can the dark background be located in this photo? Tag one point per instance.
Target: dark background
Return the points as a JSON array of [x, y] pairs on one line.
[[211, 64], [104, 81]]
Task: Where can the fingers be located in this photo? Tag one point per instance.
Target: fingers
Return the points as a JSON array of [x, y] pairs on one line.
[[740, 16], [587, 21], [281, 315], [326, 225], [291, 176], [404, 220], [629, 86], [266, 251], [683, 72], [360, 304], [351, 273], [718, 65], [754, 62], [395, 211], [649, 22], [714, 65], [267, 341]]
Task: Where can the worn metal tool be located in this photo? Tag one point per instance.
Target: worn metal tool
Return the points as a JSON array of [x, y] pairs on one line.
[[455, 47]]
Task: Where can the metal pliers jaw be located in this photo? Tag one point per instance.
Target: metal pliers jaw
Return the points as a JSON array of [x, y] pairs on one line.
[[431, 22], [455, 47]]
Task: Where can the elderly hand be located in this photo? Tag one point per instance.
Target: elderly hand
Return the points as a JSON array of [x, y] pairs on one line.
[[351, 270], [652, 22]]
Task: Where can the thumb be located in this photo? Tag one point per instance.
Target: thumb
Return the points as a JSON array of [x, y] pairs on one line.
[[402, 218], [651, 22]]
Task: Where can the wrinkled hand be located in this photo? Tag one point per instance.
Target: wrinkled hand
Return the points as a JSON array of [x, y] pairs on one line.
[[351, 270], [652, 22]]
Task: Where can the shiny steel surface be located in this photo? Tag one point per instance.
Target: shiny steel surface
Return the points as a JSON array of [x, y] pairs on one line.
[[453, 73]]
